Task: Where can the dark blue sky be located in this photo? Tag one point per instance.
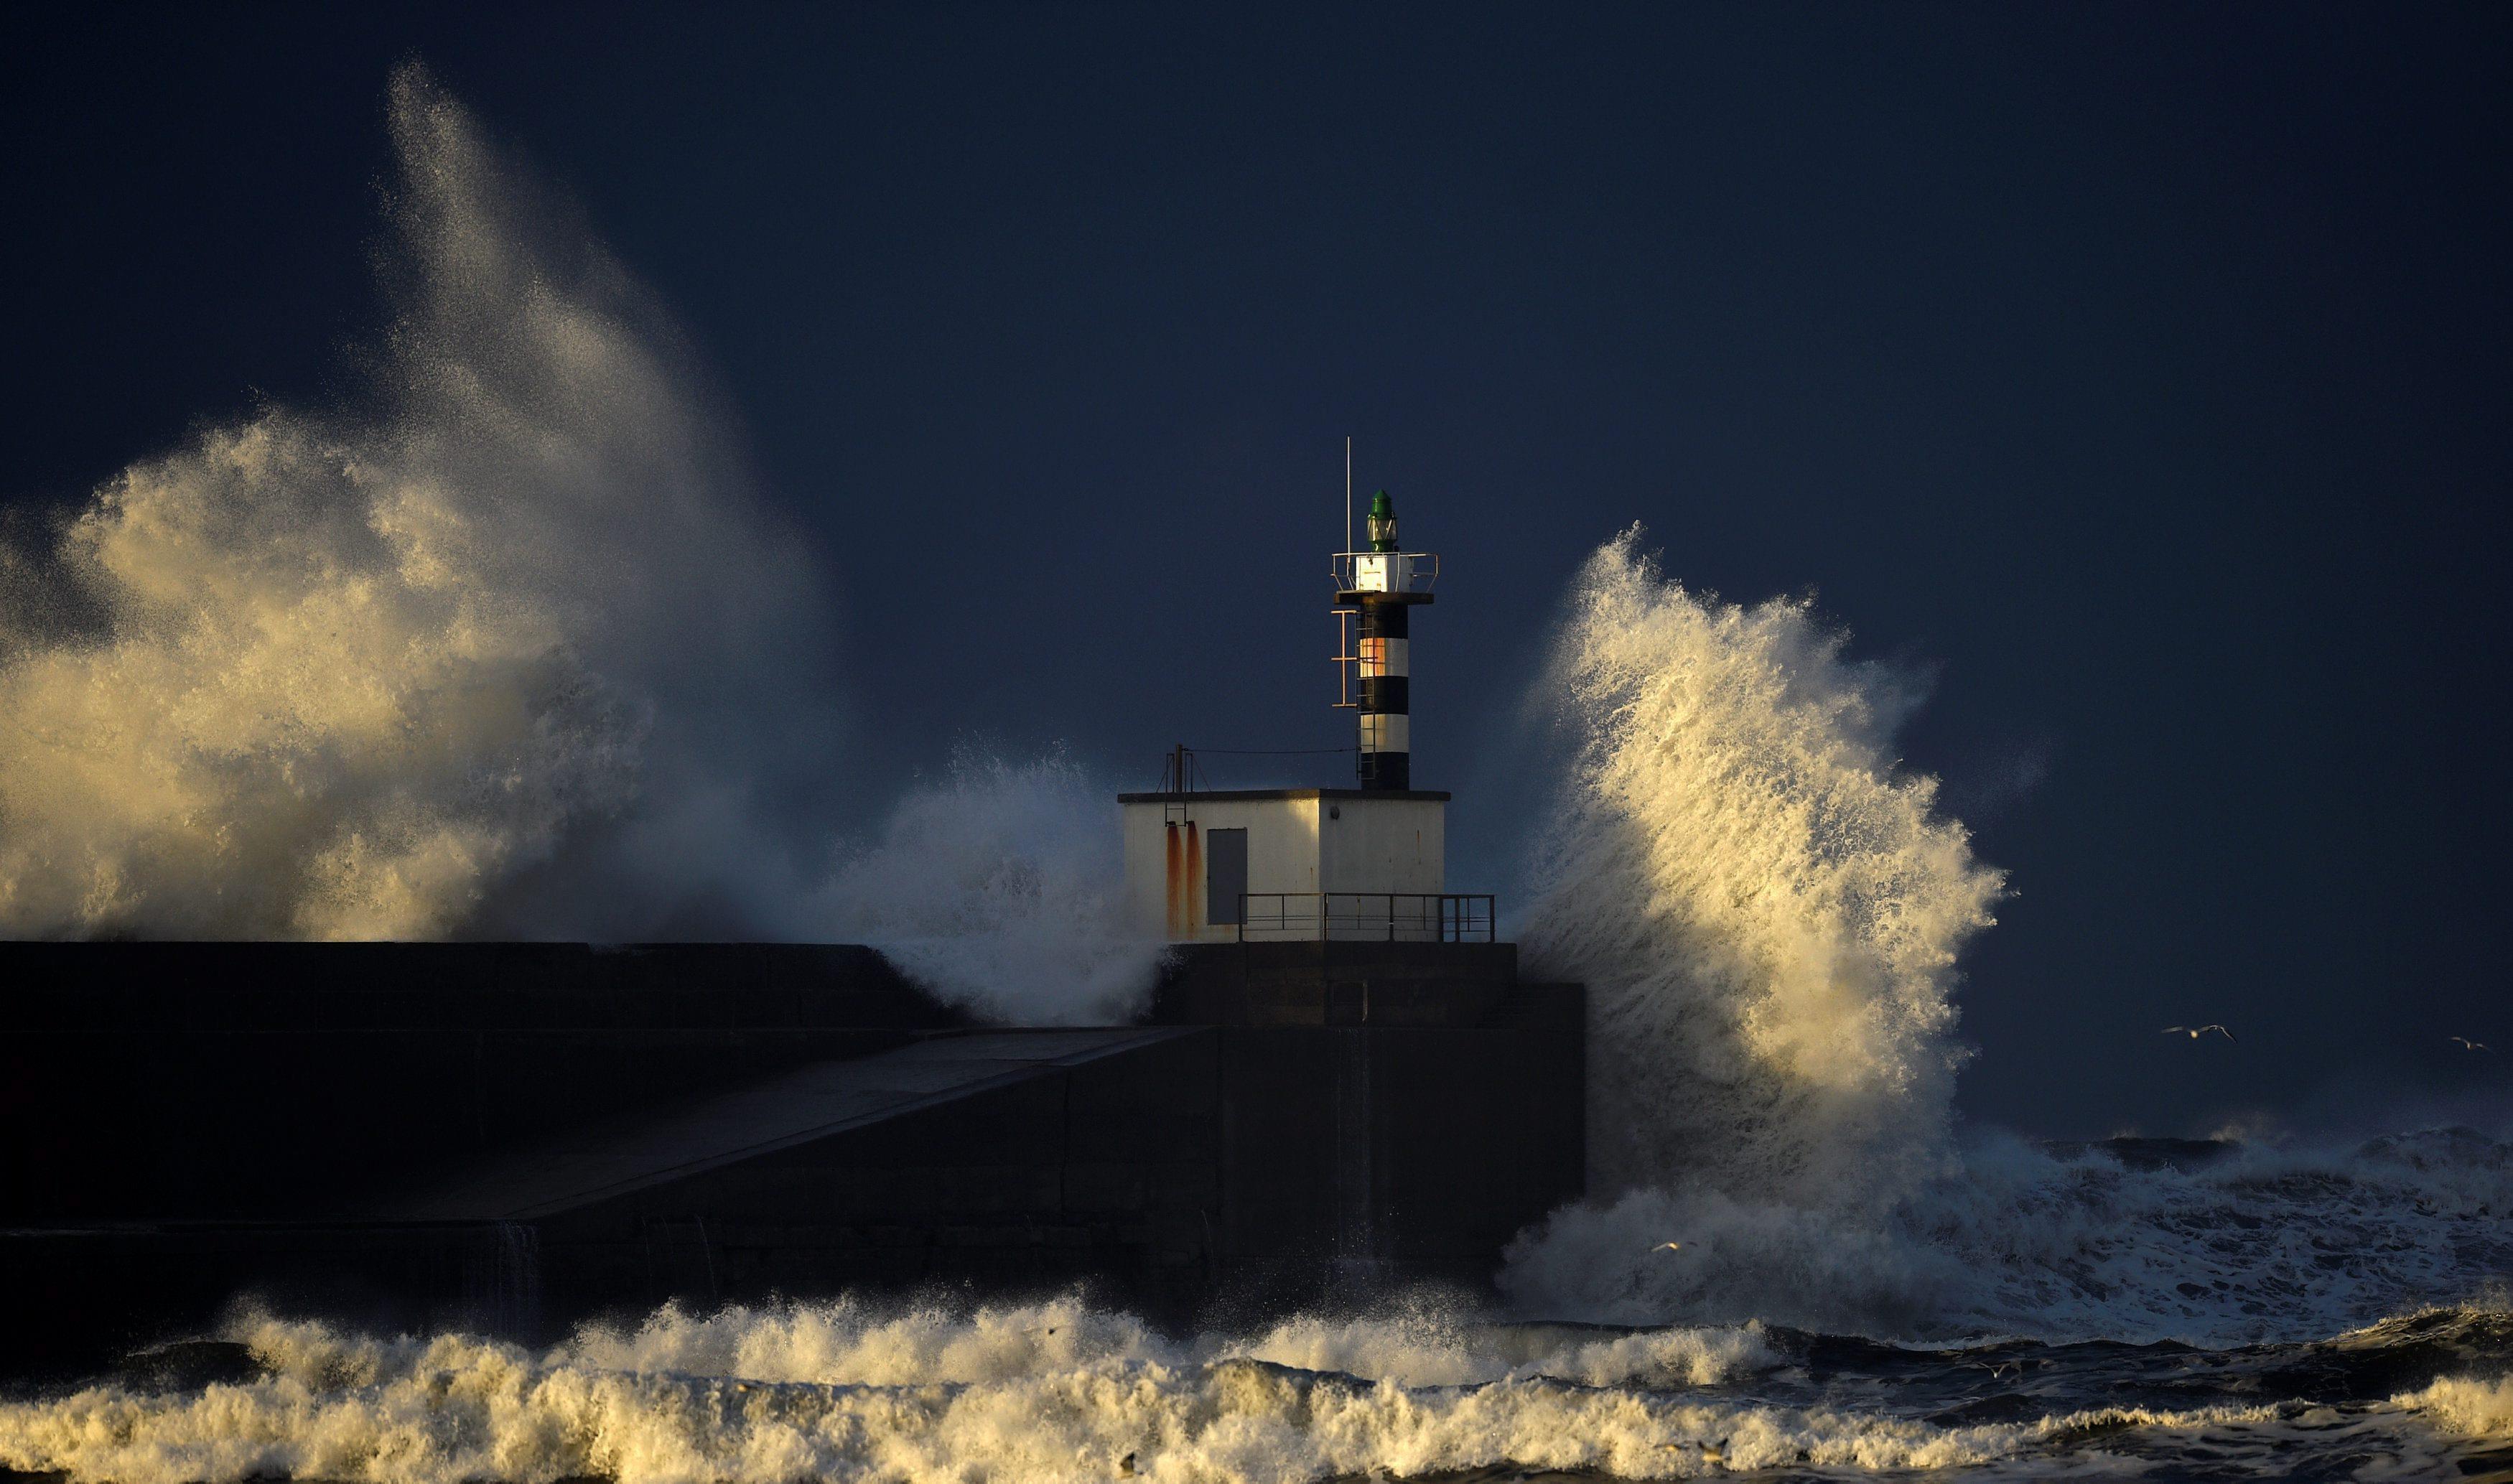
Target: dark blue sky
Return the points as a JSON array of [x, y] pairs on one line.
[[2144, 368]]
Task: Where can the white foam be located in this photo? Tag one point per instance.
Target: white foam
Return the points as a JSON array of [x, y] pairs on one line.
[[1059, 1391], [1042, 1392], [851, 1342], [1434, 1349], [2471, 1406]]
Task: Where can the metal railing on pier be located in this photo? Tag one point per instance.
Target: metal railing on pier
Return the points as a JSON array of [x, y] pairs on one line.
[[1365, 917]]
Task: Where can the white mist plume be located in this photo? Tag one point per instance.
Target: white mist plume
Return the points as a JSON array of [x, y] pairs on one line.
[[1000, 889], [1762, 906], [343, 674], [1765, 913]]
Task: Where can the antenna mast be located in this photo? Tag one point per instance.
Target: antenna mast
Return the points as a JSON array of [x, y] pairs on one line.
[[1347, 492]]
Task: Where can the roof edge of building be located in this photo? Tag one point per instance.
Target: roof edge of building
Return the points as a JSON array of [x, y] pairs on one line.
[[1258, 795]]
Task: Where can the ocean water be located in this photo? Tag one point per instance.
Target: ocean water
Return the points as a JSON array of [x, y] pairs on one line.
[[430, 669]]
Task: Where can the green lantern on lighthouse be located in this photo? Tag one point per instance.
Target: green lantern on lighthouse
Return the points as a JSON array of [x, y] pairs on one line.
[[1383, 522]]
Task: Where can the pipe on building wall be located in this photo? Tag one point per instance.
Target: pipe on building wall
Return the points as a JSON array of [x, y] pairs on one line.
[[1195, 912], [1169, 899], [1183, 907]]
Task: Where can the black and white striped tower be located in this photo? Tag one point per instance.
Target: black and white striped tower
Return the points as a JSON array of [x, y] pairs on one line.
[[1377, 591]]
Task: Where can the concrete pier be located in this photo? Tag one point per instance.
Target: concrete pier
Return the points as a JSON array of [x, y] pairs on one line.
[[515, 1137]]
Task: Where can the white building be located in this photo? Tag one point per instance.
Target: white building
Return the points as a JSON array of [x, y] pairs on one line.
[[1273, 864]]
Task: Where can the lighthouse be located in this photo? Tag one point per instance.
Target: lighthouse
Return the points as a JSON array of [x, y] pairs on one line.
[[1376, 594], [1361, 863]]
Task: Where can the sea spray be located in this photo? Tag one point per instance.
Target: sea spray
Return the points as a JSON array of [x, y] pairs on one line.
[[349, 673], [999, 887], [1764, 908]]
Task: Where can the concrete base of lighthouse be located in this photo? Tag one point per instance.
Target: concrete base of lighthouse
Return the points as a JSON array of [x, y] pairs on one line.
[[1345, 1146]]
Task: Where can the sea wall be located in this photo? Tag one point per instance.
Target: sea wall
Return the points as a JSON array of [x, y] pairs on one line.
[[513, 1138], [294, 1081]]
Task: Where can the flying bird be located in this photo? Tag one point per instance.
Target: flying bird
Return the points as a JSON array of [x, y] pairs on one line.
[[2002, 1368], [2194, 1032], [1668, 1246], [2470, 1045]]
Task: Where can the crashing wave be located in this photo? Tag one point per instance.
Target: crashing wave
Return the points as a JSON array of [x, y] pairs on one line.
[[1766, 912], [1061, 1390], [354, 673]]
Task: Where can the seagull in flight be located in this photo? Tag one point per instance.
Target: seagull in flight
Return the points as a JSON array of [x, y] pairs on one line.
[[2469, 1045], [2194, 1032], [1668, 1246]]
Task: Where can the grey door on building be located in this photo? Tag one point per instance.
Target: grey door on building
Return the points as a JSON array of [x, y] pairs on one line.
[[1226, 873]]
